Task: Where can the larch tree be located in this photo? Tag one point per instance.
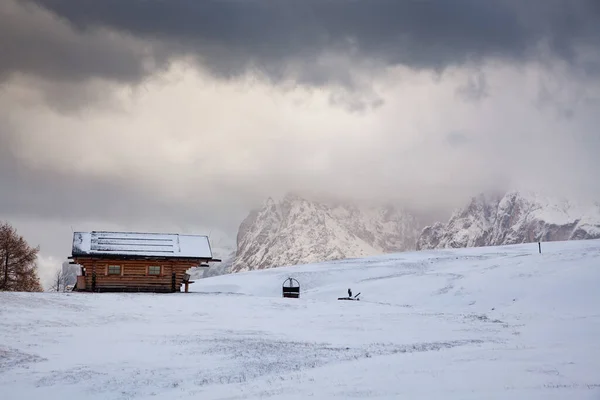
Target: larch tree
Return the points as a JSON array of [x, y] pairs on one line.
[[18, 270]]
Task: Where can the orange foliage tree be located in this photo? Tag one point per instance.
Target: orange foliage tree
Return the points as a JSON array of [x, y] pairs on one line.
[[18, 270]]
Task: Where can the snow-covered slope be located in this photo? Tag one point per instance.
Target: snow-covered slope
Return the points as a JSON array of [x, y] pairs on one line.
[[513, 218], [297, 230], [479, 323]]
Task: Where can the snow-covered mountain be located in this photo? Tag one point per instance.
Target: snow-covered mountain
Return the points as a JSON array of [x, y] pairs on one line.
[[297, 231], [515, 217]]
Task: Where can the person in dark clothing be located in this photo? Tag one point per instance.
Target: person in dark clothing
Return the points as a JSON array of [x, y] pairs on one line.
[[349, 293]]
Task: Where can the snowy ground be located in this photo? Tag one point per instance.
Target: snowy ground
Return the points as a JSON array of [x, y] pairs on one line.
[[487, 323]]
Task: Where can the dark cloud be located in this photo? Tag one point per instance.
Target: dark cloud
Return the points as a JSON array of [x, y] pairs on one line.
[[33, 41], [285, 39]]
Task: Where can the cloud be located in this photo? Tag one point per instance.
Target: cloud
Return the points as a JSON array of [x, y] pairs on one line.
[[37, 42], [475, 88], [296, 40], [457, 139], [186, 145]]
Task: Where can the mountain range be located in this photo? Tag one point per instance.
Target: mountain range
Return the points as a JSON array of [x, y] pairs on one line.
[[298, 230], [512, 218]]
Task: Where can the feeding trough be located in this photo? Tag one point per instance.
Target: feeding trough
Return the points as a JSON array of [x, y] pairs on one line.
[[291, 288]]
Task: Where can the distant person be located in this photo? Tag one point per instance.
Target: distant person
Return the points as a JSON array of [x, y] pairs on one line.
[[349, 293]]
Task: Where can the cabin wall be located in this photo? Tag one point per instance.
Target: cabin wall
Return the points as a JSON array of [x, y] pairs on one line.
[[134, 274]]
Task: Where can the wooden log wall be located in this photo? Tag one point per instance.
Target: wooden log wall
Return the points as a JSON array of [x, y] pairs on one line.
[[135, 274]]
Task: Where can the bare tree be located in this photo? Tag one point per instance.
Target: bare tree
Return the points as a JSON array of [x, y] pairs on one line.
[[18, 268], [59, 282]]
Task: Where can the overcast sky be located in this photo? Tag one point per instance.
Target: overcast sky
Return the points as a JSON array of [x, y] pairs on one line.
[[181, 115]]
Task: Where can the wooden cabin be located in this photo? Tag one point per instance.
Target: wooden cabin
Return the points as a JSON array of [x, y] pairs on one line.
[[137, 262]]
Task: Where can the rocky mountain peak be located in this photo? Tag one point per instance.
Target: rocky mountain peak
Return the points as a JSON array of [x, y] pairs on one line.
[[298, 230], [515, 217]]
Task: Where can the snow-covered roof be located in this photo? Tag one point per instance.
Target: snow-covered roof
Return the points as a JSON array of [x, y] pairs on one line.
[[170, 245]]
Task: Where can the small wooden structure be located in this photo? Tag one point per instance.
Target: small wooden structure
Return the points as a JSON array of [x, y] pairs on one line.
[[292, 289], [137, 262]]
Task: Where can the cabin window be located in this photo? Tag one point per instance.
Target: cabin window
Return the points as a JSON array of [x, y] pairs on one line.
[[114, 270], [154, 270]]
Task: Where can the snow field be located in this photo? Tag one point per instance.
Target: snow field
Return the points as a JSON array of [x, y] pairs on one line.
[[494, 323]]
